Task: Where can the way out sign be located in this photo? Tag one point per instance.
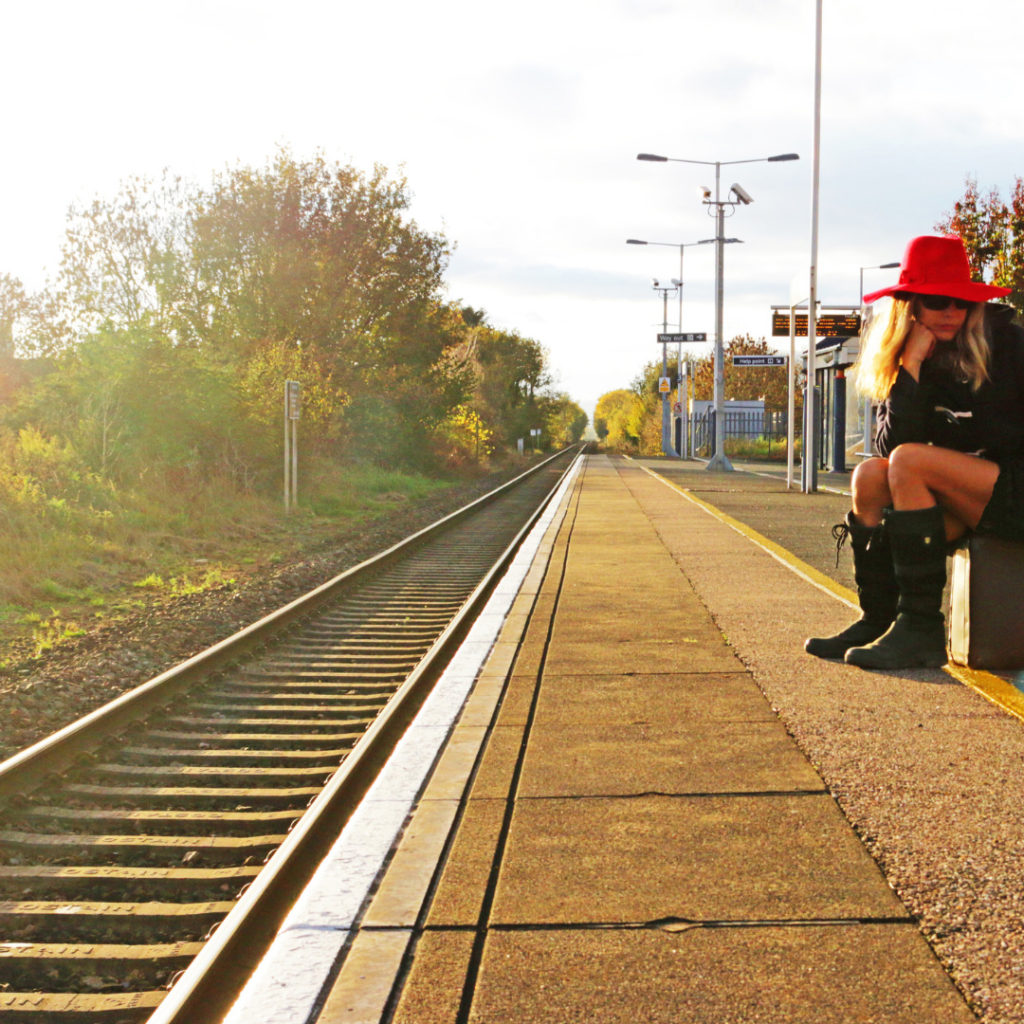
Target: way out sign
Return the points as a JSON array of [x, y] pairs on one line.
[[688, 336], [759, 360]]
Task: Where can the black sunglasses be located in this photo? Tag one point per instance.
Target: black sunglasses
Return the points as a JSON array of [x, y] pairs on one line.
[[936, 303]]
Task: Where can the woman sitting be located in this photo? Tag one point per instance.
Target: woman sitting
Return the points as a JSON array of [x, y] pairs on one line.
[[948, 370]]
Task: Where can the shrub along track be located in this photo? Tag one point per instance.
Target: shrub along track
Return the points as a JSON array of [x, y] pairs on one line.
[[128, 836]]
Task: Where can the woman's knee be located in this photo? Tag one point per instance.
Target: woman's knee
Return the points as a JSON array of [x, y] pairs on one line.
[[908, 459], [870, 478], [870, 486], [914, 465]]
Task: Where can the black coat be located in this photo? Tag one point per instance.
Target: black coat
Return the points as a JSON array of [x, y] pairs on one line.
[[943, 410]]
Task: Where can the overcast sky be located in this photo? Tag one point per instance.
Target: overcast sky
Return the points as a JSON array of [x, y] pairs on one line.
[[517, 126]]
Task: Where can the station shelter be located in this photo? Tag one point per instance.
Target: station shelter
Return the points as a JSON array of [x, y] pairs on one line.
[[842, 420], [841, 413]]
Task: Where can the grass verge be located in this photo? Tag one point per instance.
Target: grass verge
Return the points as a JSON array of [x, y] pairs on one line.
[[68, 567]]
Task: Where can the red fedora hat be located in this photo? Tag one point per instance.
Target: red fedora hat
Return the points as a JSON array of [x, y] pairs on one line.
[[937, 265]]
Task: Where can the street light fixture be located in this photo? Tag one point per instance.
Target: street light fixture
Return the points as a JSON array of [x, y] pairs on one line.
[[718, 460], [680, 246], [874, 266]]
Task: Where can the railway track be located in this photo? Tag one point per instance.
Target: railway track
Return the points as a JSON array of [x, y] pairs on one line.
[[154, 846]]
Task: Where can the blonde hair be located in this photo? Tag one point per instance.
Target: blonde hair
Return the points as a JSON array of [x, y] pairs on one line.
[[879, 361]]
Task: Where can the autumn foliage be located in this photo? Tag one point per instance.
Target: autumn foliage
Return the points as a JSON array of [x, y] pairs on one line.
[[630, 419], [993, 234], [178, 312]]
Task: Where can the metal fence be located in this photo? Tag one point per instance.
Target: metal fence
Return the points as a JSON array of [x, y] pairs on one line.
[[768, 425]]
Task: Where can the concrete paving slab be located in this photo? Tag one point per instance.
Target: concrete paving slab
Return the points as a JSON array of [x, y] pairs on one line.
[[670, 699], [433, 990], [448, 780], [360, 993], [609, 608], [686, 654], [515, 703], [704, 858], [399, 899], [593, 759], [494, 774], [632, 627], [459, 895], [502, 654], [809, 975], [619, 592], [479, 709], [530, 656], [602, 567]]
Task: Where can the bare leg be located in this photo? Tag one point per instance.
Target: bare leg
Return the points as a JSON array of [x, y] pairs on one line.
[[921, 475], [937, 494], [871, 494]]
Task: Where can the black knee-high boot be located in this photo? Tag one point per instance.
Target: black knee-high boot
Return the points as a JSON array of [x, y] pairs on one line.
[[876, 590], [918, 636]]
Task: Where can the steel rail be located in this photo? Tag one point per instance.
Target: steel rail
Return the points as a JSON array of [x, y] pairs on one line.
[[209, 985], [315, 654], [58, 751]]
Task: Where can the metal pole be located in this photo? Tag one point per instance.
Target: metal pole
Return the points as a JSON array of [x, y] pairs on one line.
[[683, 246], [810, 437], [839, 422], [287, 455], [866, 407], [679, 373], [791, 419], [718, 461], [295, 463], [666, 408]]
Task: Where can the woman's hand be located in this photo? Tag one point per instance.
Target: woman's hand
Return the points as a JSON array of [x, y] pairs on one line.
[[917, 348]]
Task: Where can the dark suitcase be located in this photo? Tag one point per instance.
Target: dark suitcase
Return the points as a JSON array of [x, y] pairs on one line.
[[986, 604]]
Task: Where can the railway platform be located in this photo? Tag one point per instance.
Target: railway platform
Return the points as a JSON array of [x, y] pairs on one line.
[[655, 807]]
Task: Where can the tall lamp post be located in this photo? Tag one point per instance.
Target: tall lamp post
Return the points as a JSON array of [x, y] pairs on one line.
[[680, 246], [719, 461], [866, 449], [666, 433]]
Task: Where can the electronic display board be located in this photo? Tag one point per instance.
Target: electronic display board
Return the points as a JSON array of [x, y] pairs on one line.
[[828, 325]]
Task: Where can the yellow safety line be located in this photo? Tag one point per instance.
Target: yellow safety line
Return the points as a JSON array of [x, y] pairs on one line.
[[1001, 693], [991, 687], [777, 551]]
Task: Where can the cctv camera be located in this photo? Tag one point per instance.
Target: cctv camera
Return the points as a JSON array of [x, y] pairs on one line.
[[655, 282], [705, 192], [741, 194]]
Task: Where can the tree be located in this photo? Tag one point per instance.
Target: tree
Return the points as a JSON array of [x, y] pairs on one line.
[[312, 251], [131, 405], [296, 255], [13, 305], [512, 374], [564, 420], [179, 311], [993, 235], [644, 419], [749, 382], [122, 258], [612, 417]]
